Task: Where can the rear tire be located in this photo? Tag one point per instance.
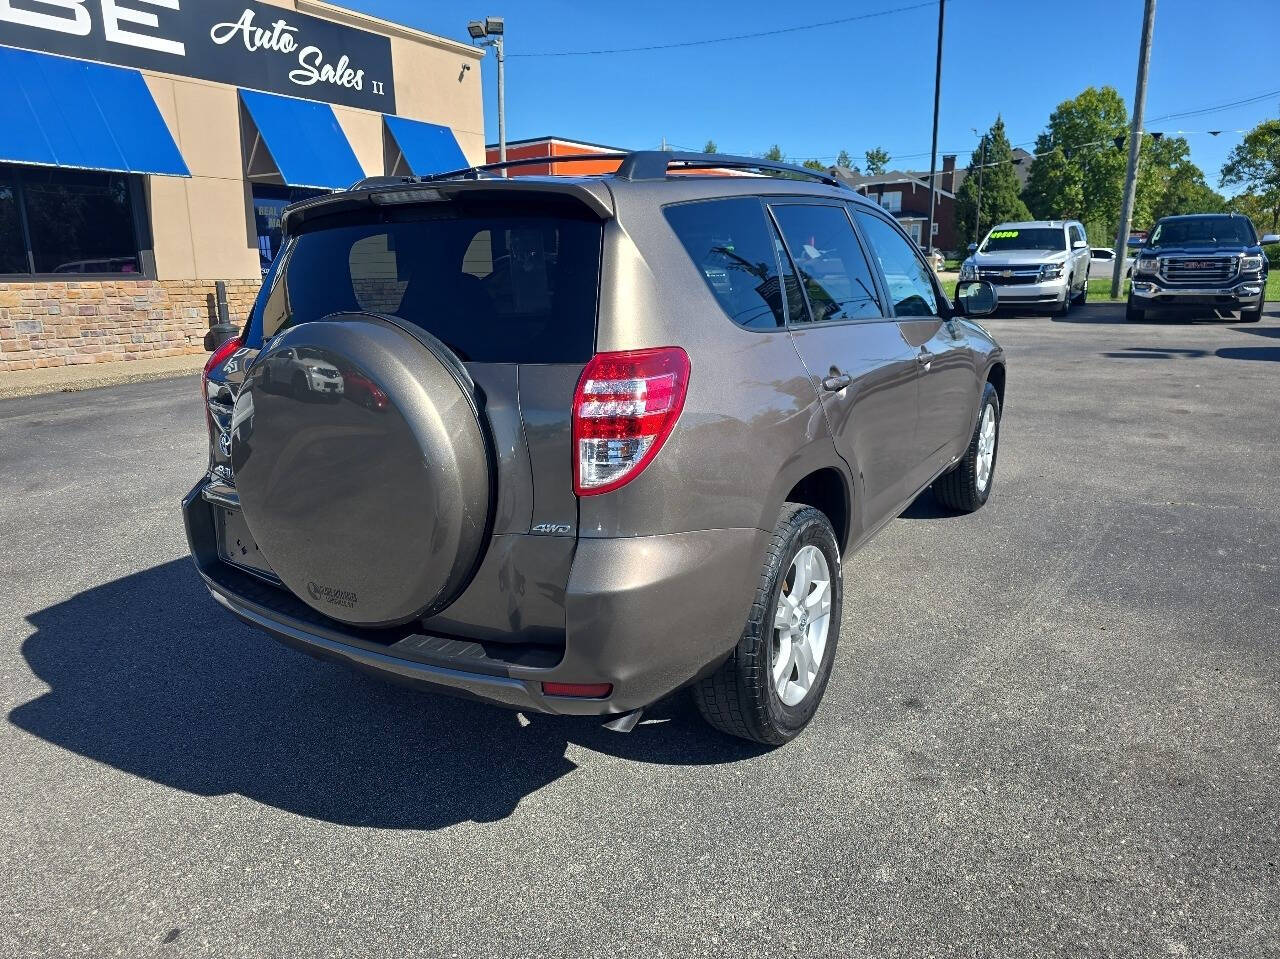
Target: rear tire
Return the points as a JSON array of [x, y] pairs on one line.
[[968, 486], [1084, 292], [1132, 313], [760, 692]]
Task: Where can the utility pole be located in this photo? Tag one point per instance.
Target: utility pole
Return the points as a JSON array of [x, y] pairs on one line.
[[937, 97], [1135, 148], [502, 100], [977, 213]]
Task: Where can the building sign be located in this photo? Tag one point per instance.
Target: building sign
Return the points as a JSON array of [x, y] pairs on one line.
[[241, 43]]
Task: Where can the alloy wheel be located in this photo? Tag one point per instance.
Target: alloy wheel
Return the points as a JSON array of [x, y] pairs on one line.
[[800, 625]]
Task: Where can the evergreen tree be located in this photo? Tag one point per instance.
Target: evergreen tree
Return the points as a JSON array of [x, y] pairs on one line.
[[846, 161], [1000, 188], [711, 147], [775, 154], [814, 165]]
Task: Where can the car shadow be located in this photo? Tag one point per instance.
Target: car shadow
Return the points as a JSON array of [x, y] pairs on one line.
[[149, 676], [1114, 313], [928, 506]]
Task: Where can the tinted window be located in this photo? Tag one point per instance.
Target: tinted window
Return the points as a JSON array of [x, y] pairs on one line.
[[76, 221], [1077, 234], [728, 241], [494, 285], [13, 248], [1022, 238], [910, 286], [829, 259], [1206, 230]]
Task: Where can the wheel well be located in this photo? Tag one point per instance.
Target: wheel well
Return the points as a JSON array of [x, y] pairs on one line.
[[825, 490], [996, 379]]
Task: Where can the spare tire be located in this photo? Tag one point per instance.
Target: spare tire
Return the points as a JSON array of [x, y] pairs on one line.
[[364, 468]]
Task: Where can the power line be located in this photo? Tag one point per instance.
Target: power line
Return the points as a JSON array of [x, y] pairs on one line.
[[1216, 109], [740, 36]]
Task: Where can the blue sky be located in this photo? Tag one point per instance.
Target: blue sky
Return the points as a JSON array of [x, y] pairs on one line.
[[863, 84]]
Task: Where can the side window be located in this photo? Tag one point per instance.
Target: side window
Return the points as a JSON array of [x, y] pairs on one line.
[[796, 309], [910, 287], [1076, 234], [1100, 254], [728, 241], [830, 262]]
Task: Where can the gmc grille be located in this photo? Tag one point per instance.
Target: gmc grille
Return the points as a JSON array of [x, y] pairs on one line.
[[1199, 269]]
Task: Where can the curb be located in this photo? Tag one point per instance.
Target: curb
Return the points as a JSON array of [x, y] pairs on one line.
[[74, 379]]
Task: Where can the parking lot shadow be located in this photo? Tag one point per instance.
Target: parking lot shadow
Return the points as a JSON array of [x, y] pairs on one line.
[[149, 676], [1108, 313]]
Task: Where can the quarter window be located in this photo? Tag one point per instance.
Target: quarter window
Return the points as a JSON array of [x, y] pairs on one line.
[[728, 241], [910, 287], [832, 268]]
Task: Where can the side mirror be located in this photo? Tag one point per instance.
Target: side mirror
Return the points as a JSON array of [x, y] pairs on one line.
[[973, 248], [1134, 242], [219, 334], [976, 298], [1270, 238], [1079, 245]]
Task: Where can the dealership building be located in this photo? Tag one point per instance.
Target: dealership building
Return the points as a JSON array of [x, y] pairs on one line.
[[148, 147]]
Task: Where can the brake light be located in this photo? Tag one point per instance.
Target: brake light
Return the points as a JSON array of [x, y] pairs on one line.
[[624, 408], [222, 354]]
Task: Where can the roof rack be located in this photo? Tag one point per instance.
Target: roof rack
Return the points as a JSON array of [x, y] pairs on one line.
[[647, 165]]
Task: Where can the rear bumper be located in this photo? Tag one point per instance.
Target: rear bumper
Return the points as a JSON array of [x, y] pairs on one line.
[[645, 614], [1244, 294]]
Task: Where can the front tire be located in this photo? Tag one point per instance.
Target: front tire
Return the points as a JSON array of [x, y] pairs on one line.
[[1251, 316], [770, 686], [1133, 314], [968, 486]]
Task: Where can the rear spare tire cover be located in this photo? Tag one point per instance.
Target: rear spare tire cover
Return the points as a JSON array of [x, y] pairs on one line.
[[363, 468]]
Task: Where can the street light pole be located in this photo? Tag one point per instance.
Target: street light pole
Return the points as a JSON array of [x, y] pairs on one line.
[[502, 102], [495, 28], [1135, 147]]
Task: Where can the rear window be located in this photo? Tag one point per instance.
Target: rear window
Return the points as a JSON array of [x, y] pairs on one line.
[[493, 285], [730, 243]]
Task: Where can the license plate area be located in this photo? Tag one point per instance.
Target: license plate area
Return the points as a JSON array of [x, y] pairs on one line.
[[237, 547]]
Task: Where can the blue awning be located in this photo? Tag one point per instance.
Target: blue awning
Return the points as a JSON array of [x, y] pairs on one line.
[[425, 148], [305, 143], [69, 113]]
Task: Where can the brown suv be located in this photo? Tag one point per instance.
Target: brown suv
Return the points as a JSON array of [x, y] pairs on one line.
[[573, 444]]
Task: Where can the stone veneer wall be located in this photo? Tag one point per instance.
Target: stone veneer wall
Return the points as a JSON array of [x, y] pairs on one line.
[[95, 321]]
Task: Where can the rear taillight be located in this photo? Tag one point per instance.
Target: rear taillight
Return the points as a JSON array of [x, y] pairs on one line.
[[625, 406], [220, 356]]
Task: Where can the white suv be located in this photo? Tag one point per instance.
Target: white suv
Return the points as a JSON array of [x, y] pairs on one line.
[[1039, 263]]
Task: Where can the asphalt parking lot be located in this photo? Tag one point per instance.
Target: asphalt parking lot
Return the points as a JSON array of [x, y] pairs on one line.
[[1053, 727]]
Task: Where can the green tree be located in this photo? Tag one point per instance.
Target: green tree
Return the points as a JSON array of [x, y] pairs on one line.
[[877, 160], [711, 147], [846, 161], [1255, 165], [775, 154], [1000, 199], [1078, 172], [1170, 184], [815, 165]]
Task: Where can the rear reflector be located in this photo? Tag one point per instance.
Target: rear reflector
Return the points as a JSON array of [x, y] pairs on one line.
[[625, 406], [578, 690]]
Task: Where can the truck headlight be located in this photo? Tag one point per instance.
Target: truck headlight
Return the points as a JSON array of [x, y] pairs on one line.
[[1050, 271], [1250, 264], [1145, 266], [968, 270]]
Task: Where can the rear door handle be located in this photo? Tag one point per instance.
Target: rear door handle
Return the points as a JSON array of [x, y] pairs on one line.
[[837, 382]]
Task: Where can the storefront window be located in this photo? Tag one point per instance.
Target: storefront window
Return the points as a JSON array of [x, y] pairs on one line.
[[268, 206], [13, 251], [75, 222]]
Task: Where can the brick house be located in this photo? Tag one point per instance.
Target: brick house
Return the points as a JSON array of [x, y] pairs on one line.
[[906, 196]]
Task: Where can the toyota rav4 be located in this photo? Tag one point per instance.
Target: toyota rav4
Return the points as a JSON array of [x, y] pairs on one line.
[[590, 440]]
